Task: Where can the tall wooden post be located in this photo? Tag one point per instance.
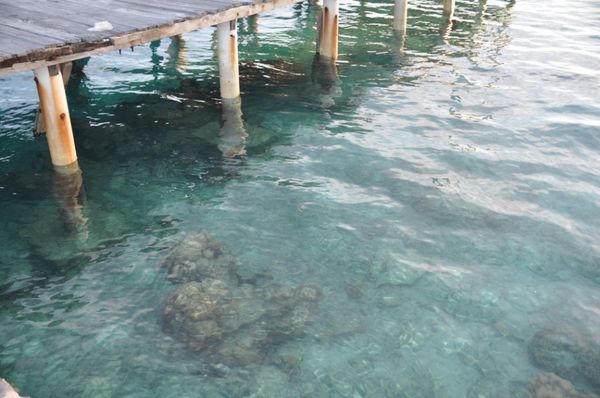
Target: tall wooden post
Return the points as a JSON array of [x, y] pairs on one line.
[[228, 59], [449, 8], [328, 30], [400, 15], [233, 134], [40, 126], [53, 102]]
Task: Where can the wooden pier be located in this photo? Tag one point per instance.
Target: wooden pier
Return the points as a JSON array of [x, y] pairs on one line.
[[37, 33], [47, 35]]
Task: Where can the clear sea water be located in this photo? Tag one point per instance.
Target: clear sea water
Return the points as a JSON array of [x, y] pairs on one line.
[[443, 190]]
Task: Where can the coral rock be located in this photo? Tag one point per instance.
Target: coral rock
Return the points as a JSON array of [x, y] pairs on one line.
[[567, 353], [549, 385], [199, 257], [237, 325]]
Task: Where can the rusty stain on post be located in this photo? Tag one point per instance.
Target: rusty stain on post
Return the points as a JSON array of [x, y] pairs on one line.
[[233, 55], [334, 38], [328, 30]]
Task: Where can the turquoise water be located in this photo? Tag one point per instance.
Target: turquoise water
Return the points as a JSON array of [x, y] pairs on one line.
[[441, 191]]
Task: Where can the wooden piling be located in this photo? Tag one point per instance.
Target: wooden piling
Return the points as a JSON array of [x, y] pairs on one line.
[[39, 125], [53, 101], [328, 30], [449, 8], [400, 15], [228, 59]]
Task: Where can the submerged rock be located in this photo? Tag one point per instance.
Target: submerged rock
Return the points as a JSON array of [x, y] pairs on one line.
[[236, 325], [549, 385], [567, 353], [199, 257], [7, 391]]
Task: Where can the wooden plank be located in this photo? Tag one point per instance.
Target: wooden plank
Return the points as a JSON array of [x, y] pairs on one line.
[[133, 17], [72, 20], [15, 40], [30, 27], [135, 14], [54, 18], [173, 7]]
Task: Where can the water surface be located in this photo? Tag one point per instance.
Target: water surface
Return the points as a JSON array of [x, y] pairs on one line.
[[442, 189]]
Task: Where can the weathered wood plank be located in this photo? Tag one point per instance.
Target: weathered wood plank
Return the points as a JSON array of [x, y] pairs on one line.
[[134, 17], [70, 27], [73, 20], [135, 14], [174, 7], [17, 39], [39, 29]]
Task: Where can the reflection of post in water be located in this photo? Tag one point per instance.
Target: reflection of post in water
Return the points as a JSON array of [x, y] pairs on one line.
[[176, 54], [233, 134], [156, 69], [446, 29], [325, 73], [252, 21], [446, 26], [298, 8], [249, 26], [361, 9], [478, 27], [399, 42], [69, 193], [481, 12], [448, 14]]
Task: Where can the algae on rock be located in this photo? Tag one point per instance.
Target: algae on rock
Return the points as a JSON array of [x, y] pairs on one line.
[[237, 325], [199, 257]]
